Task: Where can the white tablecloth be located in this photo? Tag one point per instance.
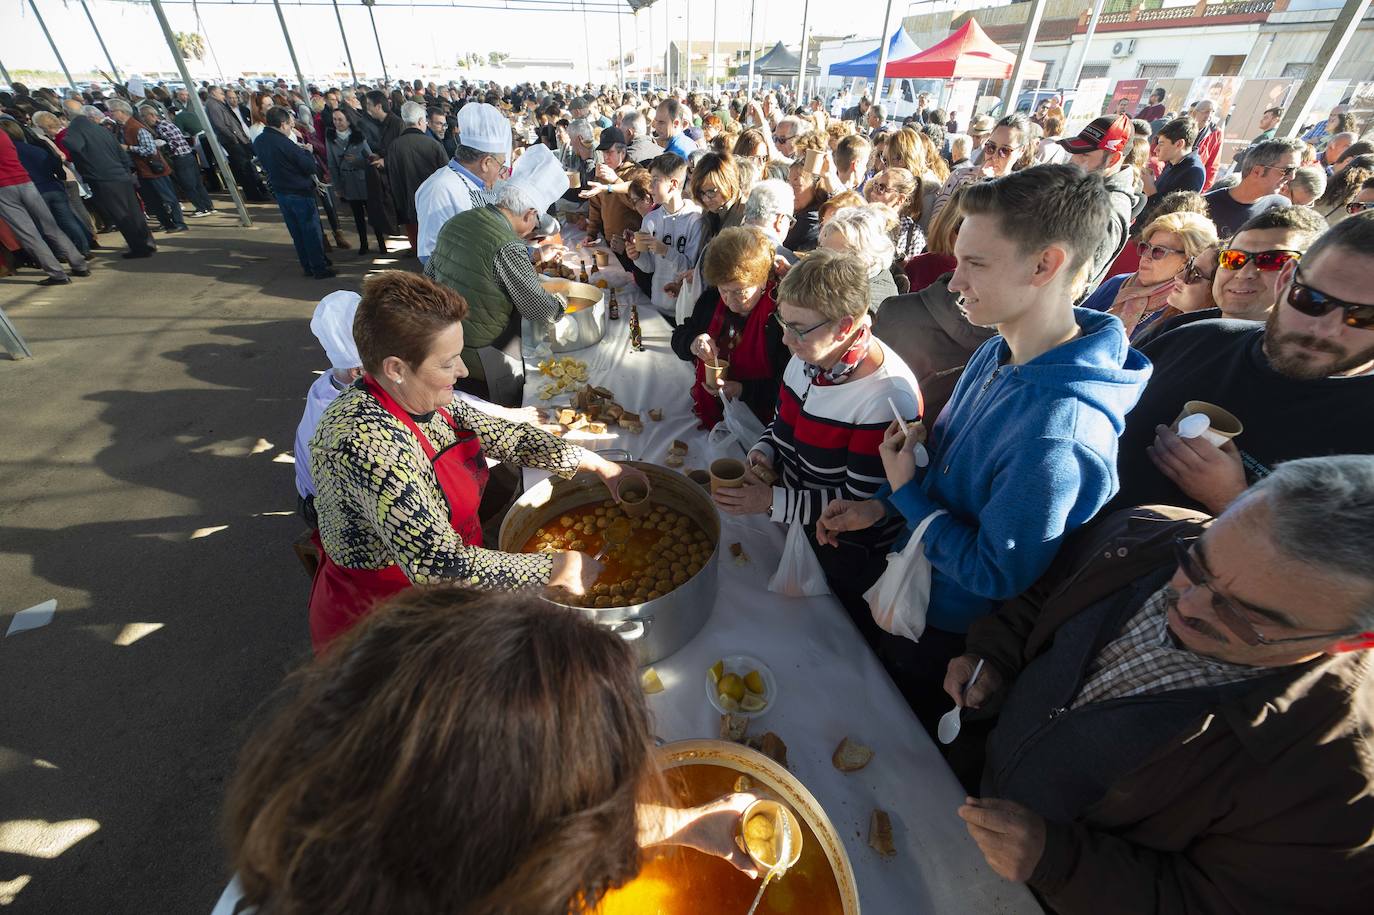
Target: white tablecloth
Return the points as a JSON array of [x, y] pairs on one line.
[[829, 683]]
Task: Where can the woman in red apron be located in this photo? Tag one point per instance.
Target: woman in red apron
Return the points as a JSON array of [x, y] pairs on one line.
[[399, 466], [732, 323]]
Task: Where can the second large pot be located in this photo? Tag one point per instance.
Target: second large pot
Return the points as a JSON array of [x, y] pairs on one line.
[[655, 628]]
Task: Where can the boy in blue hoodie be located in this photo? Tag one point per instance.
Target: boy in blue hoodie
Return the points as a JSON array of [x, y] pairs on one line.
[[1025, 451]]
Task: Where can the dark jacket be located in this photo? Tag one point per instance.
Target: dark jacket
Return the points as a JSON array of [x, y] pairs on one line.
[[388, 129], [43, 167], [933, 337], [806, 228], [290, 169], [98, 156], [348, 166], [227, 127], [411, 158], [1264, 805], [1127, 203]]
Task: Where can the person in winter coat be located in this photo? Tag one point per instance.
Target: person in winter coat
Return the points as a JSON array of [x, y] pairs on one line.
[[348, 156], [412, 158], [1025, 451]]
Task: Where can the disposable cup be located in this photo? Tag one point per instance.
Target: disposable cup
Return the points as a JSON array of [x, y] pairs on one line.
[[718, 371], [815, 161], [574, 179], [726, 473], [1222, 425], [700, 477], [634, 499], [603, 258]]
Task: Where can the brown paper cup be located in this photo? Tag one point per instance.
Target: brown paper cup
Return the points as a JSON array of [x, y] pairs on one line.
[[603, 258], [634, 499], [1224, 426], [716, 372], [700, 477], [574, 179], [727, 473], [815, 161]]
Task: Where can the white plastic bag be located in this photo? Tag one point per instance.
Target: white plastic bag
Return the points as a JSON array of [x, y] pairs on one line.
[[722, 443], [741, 421], [687, 297], [899, 598], [799, 573]]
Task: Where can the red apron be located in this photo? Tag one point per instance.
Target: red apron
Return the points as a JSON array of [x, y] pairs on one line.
[[748, 357], [341, 596]]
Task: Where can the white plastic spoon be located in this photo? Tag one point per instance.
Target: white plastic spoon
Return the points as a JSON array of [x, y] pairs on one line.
[[920, 454], [950, 720]]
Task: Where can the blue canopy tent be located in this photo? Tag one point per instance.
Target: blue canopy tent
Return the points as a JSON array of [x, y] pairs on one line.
[[898, 47]]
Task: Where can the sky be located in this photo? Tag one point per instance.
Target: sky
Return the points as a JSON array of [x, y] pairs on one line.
[[247, 37]]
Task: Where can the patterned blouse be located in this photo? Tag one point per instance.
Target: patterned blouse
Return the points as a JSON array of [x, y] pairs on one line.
[[379, 502]]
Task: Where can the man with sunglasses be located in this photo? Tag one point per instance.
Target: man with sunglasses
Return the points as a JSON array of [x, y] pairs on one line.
[[785, 136], [1301, 384], [1186, 708], [1265, 171], [1101, 148]]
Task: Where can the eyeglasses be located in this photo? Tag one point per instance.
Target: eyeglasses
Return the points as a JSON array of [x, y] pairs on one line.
[[710, 192], [1232, 616], [1315, 303], [799, 333], [779, 139], [1155, 252], [1192, 275], [1236, 259], [1288, 172], [1354, 209], [1002, 152]]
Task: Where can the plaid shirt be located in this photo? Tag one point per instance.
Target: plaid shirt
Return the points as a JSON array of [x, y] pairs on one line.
[[1143, 659], [176, 141]]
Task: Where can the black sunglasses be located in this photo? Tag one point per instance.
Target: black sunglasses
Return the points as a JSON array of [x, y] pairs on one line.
[[1192, 275], [1315, 303]]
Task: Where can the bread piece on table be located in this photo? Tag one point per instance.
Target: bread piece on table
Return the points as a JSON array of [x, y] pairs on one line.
[[880, 834], [567, 416], [627, 417], [594, 411], [603, 393], [634, 426], [679, 446], [733, 727], [850, 756], [656, 414], [596, 428], [771, 745], [579, 423], [673, 459], [614, 410]]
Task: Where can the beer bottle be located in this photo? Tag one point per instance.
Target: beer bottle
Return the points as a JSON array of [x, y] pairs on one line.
[[614, 308]]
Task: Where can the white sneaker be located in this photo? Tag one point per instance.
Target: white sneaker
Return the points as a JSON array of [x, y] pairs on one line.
[[199, 213]]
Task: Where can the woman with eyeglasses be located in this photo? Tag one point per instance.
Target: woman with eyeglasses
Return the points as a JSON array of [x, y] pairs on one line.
[[833, 409], [1343, 189], [1191, 296], [809, 197], [899, 189], [1007, 149], [732, 322], [1165, 248]]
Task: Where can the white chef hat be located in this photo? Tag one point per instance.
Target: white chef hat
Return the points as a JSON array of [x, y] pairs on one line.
[[540, 175], [483, 127], [333, 327]]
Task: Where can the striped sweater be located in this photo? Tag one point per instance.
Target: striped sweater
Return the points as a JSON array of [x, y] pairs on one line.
[[824, 440]]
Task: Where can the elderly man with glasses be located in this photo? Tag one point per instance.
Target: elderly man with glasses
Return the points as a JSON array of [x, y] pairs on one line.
[[785, 136], [1265, 171], [1301, 383], [1186, 708]]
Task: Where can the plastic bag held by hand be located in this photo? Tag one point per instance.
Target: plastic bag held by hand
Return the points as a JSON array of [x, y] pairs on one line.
[[687, 295], [722, 443], [899, 598], [742, 423], [799, 573]]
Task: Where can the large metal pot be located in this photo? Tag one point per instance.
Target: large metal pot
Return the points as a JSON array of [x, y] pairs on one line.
[[656, 628], [583, 327], [781, 783]]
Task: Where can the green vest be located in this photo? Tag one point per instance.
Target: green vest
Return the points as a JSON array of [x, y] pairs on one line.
[[464, 260]]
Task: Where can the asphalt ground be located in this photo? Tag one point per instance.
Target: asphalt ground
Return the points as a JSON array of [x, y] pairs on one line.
[[146, 486]]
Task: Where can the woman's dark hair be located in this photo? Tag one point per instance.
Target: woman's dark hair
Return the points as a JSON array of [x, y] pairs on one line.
[[750, 142], [354, 119], [457, 751], [1342, 187], [377, 97], [400, 314], [397, 100], [1021, 123]]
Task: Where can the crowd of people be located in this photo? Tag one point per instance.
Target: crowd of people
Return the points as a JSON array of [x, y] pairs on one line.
[[1176, 696]]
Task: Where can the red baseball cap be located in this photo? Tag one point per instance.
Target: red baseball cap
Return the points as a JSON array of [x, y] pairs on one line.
[[1110, 133]]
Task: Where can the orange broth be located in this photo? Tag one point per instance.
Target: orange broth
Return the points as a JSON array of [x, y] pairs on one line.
[[682, 881]]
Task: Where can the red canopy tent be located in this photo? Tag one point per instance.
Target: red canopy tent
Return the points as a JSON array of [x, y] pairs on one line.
[[969, 53]]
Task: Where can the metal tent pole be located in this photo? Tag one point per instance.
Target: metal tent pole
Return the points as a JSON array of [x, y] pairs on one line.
[[880, 77], [688, 4], [750, 89], [1342, 30], [344, 35], [668, 68], [380, 55], [639, 58], [6, 74], [52, 44], [1023, 56], [653, 61], [620, 49], [1087, 40], [193, 97], [210, 45], [291, 49], [715, 19], [9, 334], [586, 43], [95, 28], [801, 68]]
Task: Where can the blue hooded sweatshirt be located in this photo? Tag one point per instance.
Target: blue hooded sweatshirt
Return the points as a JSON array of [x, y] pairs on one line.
[[1021, 456]]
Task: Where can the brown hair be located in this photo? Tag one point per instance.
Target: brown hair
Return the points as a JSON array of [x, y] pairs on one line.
[[750, 142], [944, 225], [830, 283], [903, 182], [638, 189], [742, 254], [13, 129], [457, 751], [257, 114], [849, 150], [400, 314], [905, 151], [936, 162], [722, 168], [839, 202]]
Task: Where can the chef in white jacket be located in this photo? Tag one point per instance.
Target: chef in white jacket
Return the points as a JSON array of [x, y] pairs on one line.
[[332, 324], [484, 145]]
